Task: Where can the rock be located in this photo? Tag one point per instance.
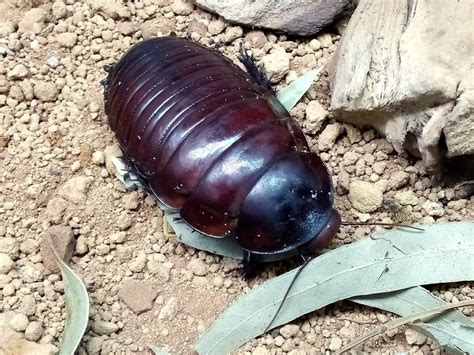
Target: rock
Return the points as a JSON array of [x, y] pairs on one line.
[[6, 27], [27, 305], [315, 45], [315, 117], [109, 152], [13, 343], [4, 86], [74, 190], [81, 246], [55, 209], [124, 221], [260, 350], [365, 196], [101, 327], [19, 322], [407, 198], [335, 343], [433, 209], [414, 338], [98, 158], [276, 65], [137, 295], [415, 94], [289, 330], [94, 345], [6, 264], [131, 201], [58, 10], [46, 91], [232, 33], [139, 263], [325, 40], [169, 310], [459, 127], [34, 331], [198, 267], [126, 28], [303, 17], [343, 181], [197, 27], [110, 9], [216, 27], [9, 246], [398, 180], [155, 27], [18, 72], [32, 21], [257, 39], [118, 237], [63, 241], [182, 7], [328, 136], [67, 39], [29, 246]]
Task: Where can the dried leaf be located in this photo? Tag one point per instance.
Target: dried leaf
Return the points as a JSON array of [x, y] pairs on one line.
[[412, 318], [451, 330]]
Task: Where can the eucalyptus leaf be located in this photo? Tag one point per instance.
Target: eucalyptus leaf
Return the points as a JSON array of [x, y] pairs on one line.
[[395, 260], [291, 94], [77, 309], [158, 351], [220, 246], [451, 330], [124, 173]]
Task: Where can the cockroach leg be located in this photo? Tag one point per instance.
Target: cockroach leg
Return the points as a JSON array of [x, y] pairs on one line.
[[248, 265], [258, 75]]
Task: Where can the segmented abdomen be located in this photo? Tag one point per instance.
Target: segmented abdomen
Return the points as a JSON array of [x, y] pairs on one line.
[[197, 128]]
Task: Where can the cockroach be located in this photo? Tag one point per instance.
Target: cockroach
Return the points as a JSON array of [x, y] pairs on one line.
[[213, 142]]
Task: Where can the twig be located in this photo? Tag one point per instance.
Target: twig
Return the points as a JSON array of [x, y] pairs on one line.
[[168, 231], [416, 317]]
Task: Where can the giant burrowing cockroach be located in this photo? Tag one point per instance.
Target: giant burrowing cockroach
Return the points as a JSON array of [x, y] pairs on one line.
[[213, 142]]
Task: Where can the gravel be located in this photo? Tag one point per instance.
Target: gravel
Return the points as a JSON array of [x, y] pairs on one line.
[[57, 178]]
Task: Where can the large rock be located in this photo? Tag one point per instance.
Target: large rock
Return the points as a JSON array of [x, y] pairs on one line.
[[405, 70], [301, 17]]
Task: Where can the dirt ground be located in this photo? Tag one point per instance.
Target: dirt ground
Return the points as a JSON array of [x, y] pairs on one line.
[[55, 170]]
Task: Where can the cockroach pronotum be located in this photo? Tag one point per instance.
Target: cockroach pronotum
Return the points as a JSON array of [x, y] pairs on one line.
[[213, 142]]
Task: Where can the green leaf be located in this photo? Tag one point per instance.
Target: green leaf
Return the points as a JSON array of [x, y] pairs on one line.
[[220, 246], [158, 351], [77, 309], [291, 94], [395, 260]]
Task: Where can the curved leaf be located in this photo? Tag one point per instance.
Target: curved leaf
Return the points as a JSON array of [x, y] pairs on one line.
[[77, 310], [392, 261], [220, 246]]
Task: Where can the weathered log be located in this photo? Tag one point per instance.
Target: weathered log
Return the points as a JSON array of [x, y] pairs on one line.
[[405, 68]]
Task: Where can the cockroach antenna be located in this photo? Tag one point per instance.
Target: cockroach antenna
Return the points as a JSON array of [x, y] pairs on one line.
[[307, 259], [285, 296], [348, 223]]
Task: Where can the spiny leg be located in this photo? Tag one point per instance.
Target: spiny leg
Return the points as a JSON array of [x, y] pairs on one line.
[[255, 72]]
